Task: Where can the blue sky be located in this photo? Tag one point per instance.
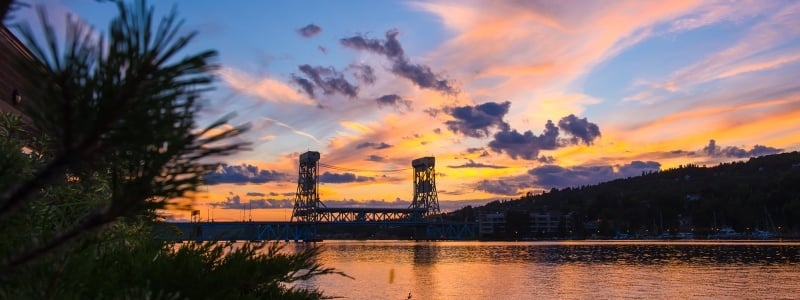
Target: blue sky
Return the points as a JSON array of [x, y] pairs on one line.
[[628, 86]]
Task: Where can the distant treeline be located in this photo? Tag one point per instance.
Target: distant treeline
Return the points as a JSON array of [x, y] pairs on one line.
[[761, 194]]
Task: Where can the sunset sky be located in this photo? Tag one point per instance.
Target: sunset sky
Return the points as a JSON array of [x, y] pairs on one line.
[[509, 96]]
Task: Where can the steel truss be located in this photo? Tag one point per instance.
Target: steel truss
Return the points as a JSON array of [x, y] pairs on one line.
[[306, 200], [369, 215], [425, 196], [308, 207]]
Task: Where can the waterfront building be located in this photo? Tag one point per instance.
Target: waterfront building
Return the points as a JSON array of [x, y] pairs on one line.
[[491, 224], [544, 223], [12, 82]]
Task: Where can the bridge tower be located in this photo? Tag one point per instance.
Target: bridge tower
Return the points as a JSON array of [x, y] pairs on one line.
[[425, 196], [306, 199]]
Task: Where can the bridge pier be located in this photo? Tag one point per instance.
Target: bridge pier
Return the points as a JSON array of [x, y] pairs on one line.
[[313, 232], [237, 231], [307, 203], [309, 208], [426, 198], [420, 218]]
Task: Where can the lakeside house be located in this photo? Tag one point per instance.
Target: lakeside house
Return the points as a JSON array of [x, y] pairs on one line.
[[491, 224], [12, 82]]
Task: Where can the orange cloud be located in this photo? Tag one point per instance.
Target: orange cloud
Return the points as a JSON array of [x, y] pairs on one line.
[[264, 88], [536, 55]]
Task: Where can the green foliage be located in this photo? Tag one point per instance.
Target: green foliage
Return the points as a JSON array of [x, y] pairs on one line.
[[762, 193], [11, 158], [268, 269], [124, 262], [117, 115], [126, 107], [113, 137]]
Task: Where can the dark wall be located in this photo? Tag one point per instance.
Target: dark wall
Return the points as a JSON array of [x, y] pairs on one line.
[[11, 79]]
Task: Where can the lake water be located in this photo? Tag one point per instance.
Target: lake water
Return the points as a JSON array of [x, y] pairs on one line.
[[566, 270]]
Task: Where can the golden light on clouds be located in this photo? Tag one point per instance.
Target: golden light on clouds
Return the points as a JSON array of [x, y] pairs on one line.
[[644, 81]]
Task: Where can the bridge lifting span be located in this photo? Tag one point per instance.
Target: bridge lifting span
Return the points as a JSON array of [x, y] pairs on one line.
[[309, 208], [294, 231], [309, 211]]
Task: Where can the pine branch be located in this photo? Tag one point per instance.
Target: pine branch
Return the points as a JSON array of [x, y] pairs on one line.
[[127, 109], [92, 222]]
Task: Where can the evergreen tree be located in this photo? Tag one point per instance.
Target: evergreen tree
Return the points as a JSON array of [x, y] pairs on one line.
[[112, 138]]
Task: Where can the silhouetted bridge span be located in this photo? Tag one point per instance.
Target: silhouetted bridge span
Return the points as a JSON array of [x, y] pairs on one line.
[[312, 220], [309, 232]]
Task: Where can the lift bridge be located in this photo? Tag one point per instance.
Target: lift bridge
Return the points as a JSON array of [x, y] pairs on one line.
[[308, 207], [423, 215]]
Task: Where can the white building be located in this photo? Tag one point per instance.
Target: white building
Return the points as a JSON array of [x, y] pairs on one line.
[[545, 223], [491, 223]]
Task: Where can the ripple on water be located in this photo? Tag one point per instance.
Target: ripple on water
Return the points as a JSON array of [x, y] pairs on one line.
[[591, 269]]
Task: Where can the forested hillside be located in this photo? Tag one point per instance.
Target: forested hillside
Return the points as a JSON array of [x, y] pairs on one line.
[[762, 193]]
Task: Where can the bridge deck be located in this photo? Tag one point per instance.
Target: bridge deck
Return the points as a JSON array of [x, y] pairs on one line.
[[369, 215], [237, 231], [370, 209], [296, 231]]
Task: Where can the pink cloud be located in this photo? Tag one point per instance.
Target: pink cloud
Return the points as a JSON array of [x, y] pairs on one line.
[[559, 42], [759, 48], [533, 53], [266, 88]]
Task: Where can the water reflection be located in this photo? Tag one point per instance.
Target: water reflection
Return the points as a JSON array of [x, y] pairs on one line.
[[425, 253], [561, 253], [659, 254], [425, 282], [476, 270]]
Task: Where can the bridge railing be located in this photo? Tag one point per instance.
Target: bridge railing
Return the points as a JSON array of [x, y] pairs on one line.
[[370, 215], [299, 231], [236, 231]]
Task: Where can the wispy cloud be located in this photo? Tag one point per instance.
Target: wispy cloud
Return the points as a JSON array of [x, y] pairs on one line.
[[530, 45], [732, 151], [524, 117], [327, 79], [373, 145], [553, 176], [334, 178], [472, 164], [762, 47], [393, 100], [295, 130], [266, 88], [501, 187], [419, 74], [242, 174]]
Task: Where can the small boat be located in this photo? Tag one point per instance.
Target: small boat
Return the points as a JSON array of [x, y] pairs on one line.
[[761, 234], [726, 233]]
